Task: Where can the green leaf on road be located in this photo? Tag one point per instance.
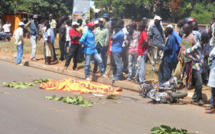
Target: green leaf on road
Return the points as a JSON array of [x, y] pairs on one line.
[[17, 85], [79, 100]]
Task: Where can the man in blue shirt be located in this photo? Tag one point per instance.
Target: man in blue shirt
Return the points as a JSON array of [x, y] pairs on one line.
[[88, 40], [116, 49], [169, 57]]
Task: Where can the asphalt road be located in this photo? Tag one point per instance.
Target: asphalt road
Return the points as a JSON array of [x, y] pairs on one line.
[[25, 111]]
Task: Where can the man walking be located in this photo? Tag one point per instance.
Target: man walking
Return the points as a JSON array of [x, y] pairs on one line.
[[88, 40], [169, 57], [34, 31], [156, 39], [18, 35], [101, 42], [73, 50]]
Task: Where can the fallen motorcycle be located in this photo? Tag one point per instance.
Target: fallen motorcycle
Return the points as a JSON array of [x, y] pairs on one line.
[[162, 93]]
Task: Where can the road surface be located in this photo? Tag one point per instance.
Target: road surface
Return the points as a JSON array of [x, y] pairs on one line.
[[25, 111]]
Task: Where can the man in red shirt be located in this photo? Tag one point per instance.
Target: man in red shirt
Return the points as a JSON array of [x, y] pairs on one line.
[[73, 50], [141, 53]]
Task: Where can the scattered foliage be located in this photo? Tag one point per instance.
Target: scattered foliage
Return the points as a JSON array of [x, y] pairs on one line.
[[79, 100], [38, 80], [167, 130], [111, 96], [18, 85]]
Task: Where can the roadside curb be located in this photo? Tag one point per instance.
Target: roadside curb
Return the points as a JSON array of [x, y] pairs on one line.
[[123, 84]]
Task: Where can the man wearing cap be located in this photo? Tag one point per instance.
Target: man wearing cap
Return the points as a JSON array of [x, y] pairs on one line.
[[169, 57], [144, 20], [88, 40], [156, 39], [73, 50], [34, 31], [19, 41], [101, 42], [107, 19]]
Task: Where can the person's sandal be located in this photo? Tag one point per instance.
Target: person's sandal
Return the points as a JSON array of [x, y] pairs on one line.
[[209, 108], [212, 111]]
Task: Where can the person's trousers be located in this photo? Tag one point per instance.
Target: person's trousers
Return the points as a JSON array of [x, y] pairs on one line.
[[116, 64], [124, 60], [131, 62], [67, 44], [54, 53], [87, 63], [73, 53], [44, 52], [108, 67], [19, 53], [49, 49], [198, 89], [34, 46], [61, 45], [102, 51], [140, 73], [80, 54], [165, 71], [154, 55], [212, 96]]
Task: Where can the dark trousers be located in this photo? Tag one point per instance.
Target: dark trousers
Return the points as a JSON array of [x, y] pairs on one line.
[[45, 52], [54, 54], [198, 90], [73, 53], [61, 45], [165, 71], [80, 54], [101, 50], [124, 60]]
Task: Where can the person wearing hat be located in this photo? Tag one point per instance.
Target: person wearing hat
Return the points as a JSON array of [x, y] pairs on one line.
[[101, 42], [34, 31], [169, 57], [156, 35], [73, 50], [144, 20], [108, 22], [19, 42], [88, 40]]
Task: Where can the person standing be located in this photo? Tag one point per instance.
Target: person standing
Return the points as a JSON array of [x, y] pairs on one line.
[[88, 40], [211, 83], [126, 31], [53, 25], [196, 33], [19, 42], [49, 42], [116, 50], [101, 42], [62, 38], [169, 57], [132, 43], [156, 38], [73, 50], [196, 54], [108, 23], [80, 28], [34, 31], [141, 53], [96, 18], [68, 40]]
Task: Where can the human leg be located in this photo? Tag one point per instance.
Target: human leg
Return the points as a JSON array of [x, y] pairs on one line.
[[87, 65], [100, 63], [142, 69], [34, 46], [197, 96], [19, 54]]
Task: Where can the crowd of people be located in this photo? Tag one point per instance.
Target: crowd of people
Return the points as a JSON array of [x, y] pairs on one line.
[[106, 43]]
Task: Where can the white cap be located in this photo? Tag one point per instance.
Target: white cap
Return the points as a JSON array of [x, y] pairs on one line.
[[96, 22], [170, 26], [157, 18], [35, 16], [21, 24], [75, 23]]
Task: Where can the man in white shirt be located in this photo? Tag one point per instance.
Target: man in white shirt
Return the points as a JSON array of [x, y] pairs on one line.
[[6, 27], [18, 35]]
